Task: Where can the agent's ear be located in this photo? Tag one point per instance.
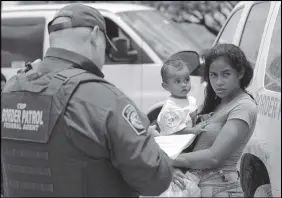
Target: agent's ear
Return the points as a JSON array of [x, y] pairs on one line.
[[165, 86], [241, 73], [95, 35]]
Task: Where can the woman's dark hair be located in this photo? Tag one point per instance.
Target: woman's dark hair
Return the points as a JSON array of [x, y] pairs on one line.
[[3, 78], [237, 59]]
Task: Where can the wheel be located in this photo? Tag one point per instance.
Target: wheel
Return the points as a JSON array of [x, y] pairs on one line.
[[263, 191], [253, 175]]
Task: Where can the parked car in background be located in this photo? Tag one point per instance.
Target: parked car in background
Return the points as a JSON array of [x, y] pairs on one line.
[[150, 36], [255, 26]]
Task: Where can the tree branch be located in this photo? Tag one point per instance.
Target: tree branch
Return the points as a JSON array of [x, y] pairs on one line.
[[194, 15], [188, 21], [211, 29], [221, 12], [217, 22], [228, 5]]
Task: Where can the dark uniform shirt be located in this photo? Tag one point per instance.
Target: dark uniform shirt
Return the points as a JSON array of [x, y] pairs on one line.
[[111, 120]]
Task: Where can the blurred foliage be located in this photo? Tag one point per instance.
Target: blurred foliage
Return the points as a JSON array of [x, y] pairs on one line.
[[210, 14]]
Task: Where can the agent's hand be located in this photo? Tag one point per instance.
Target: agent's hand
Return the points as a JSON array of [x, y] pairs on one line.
[[35, 63], [153, 131], [178, 178]]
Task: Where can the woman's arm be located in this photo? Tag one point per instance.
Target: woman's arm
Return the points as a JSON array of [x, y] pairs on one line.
[[226, 142]]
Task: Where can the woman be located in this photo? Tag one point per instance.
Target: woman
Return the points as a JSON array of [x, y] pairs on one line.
[[229, 127]]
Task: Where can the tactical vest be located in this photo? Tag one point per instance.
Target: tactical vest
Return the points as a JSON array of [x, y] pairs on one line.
[[41, 156]]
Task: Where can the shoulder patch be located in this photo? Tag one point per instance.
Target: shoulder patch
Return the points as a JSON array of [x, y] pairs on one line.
[[130, 114]]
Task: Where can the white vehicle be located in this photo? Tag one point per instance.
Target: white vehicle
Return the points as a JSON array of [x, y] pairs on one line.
[[152, 38], [256, 28]]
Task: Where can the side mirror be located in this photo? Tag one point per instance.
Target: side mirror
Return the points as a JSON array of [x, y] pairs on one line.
[[192, 58], [123, 53]]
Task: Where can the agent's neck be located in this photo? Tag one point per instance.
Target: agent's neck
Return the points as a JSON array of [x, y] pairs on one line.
[[72, 46]]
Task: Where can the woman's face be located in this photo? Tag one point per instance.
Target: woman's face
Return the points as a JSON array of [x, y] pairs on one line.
[[223, 78]]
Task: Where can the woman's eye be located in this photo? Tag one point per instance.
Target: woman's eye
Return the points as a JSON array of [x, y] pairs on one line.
[[226, 74], [212, 75]]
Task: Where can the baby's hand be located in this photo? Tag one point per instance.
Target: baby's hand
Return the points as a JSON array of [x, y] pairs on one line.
[[153, 131]]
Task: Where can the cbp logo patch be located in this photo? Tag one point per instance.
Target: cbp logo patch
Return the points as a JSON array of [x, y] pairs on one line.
[[131, 116]]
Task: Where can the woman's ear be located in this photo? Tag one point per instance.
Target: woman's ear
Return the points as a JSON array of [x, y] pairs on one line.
[[241, 73]]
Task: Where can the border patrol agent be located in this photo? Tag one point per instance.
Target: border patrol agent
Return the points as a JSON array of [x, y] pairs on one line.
[[68, 132]]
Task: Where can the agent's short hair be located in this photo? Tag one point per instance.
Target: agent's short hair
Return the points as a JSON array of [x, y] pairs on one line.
[[178, 64]]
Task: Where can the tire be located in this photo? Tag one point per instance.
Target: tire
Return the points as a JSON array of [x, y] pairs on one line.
[[253, 175], [263, 191], [246, 178]]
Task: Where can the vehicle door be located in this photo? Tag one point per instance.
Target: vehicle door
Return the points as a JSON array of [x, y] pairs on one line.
[[267, 88]]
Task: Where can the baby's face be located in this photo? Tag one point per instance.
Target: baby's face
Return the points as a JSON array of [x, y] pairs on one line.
[[178, 82]]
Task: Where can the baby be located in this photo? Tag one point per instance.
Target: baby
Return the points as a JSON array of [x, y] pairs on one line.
[[178, 115]]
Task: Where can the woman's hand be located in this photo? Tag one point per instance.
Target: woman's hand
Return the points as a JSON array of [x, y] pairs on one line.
[[204, 117], [198, 129], [178, 178]]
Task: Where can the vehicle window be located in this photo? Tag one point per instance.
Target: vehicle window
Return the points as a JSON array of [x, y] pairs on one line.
[[113, 31], [253, 30], [230, 28], [272, 80], [21, 41]]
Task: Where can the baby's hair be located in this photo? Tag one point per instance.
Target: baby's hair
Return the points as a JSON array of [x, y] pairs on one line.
[[176, 63]]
